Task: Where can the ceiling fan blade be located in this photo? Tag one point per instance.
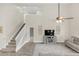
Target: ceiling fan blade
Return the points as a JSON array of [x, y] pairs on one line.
[[69, 18], [60, 17]]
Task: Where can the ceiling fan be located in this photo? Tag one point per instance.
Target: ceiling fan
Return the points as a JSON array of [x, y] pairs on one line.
[[61, 18]]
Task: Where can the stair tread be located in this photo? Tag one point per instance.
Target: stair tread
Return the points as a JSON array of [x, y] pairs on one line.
[[7, 50], [11, 44], [11, 47], [13, 40]]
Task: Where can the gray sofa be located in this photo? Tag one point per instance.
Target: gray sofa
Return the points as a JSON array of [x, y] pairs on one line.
[[73, 43]]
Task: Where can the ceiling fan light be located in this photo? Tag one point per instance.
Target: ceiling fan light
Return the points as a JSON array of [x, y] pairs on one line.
[[59, 18], [59, 21]]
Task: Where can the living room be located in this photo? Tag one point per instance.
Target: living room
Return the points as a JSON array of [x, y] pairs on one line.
[[49, 26], [42, 17]]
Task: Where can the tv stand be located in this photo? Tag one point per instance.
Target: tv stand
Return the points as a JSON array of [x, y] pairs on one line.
[[49, 39]]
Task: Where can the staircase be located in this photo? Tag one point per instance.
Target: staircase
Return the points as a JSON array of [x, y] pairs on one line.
[[10, 48]]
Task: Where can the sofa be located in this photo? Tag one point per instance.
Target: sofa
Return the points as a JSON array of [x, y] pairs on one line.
[[73, 43]]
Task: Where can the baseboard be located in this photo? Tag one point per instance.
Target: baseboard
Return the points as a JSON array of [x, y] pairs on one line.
[[41, 42]]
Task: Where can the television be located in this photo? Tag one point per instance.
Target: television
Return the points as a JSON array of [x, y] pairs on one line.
[[49, 32]]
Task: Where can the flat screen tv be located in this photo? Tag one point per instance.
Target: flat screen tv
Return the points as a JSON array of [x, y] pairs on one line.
[[49, 32]]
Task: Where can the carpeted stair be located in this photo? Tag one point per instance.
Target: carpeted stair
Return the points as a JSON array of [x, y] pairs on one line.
[[11, 47]]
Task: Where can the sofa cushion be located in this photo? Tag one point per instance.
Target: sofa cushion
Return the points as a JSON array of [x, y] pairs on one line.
[[72, 45], [76, 40]]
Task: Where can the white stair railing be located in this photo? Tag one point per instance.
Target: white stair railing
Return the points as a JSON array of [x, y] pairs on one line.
[[21, 38]]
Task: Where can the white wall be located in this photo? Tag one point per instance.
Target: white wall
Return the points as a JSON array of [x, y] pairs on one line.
[[65, 25], [75, 21], [11, 21], [47, 19]]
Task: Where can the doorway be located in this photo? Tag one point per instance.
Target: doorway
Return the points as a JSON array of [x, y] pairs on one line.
[[31, 34]]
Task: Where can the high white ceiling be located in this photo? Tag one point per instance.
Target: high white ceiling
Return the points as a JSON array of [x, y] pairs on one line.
[[40, 4]]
